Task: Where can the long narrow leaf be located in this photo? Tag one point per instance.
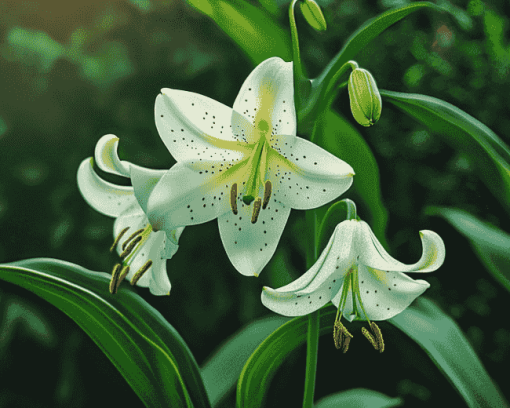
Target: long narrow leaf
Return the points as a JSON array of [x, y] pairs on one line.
[[463, 132], [491, 245], [143, 346], [358, 398]]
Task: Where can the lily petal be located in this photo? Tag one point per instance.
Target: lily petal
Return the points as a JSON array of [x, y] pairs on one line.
[[308, 176], [107, 158], [251, 246], [267, 96], [190, 123], [105, 197], [186, 197], [385, 293], [144, 180], [151, 249], [159, 284], [374, 255]]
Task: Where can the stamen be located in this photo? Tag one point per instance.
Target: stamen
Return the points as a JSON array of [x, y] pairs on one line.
[[338, 337], [136, 277], [122, 275], [256, 211], [130, 247], [118, 239], [378, 337], [115, 278], [134, 234], [369, 337], [346, 344], [267, 194], [233, 198]]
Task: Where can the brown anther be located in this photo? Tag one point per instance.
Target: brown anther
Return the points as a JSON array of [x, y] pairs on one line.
[[267, 194], [122, 275], [378, 336], [134, 234], [233, 198], [136, 277], [256, 211], [118, 239], [338, 336], [130, 247], [346, 344], [115, 278], [369, 337]]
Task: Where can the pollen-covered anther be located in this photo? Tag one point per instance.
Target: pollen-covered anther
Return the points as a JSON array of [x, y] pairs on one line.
[[346, 344], [117, 240], [256, 210], [338, 336], [233, 198], [369, 337], [378, 336], [267, 194], [122, 275], [136, 277], [130, 247], [115, 278], [132, 236]]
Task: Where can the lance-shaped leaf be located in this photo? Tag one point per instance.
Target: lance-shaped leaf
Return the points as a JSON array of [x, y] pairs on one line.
[[358, 398], [143, 346], [491, 245], [463, 132]]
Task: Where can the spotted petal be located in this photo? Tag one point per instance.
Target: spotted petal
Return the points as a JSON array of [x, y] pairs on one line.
[[189, 124], [305, 175], [266, 98], [384, 294], [105, 197], [374, 255]]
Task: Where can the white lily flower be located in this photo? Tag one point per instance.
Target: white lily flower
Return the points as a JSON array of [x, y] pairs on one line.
[[144, 249], [230, 158], [359, 277]]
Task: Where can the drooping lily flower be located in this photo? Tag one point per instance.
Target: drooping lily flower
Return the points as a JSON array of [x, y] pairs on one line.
[[140, 248], [360, 278], [243, 165]]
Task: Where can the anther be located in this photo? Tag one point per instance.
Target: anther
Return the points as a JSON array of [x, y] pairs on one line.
[[267, 194], [378, 337], [338, 336], [118, 239], [136, 277], [233, 198], [369, 337], [346, 344], [256, 211], [130, 247], [115, 278], [134, 234], [122, 275]]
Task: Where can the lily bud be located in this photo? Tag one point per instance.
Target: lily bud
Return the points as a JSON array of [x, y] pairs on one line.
[[366, 103], [313, 15]]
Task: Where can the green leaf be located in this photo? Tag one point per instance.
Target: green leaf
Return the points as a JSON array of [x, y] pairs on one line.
[[144, 347], [354, 44], [447, 346], [463, 132], [339, 137], [491, 245], [222, 370], [423, 321], [254, 31], [358, 398]]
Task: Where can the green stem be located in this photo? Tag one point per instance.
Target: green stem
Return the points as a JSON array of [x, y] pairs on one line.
[[296, 56]]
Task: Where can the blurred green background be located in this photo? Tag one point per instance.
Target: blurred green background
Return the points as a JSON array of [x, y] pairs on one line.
[[74, 71]]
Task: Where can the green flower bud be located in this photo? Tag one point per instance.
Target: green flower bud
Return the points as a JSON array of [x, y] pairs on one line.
[[366, 103], [313, 15]]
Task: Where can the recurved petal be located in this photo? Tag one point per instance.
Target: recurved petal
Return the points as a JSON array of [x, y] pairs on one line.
[[372, 253], [385, 293], [250, 246], [107, 158], [305, 175], [144, 180], [267, 95], [185, 197], [107, 198], [189, 124]]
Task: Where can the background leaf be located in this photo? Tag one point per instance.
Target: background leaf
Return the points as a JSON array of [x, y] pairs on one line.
[[491, 245], [145, 348], [465, 133], [358, 398]]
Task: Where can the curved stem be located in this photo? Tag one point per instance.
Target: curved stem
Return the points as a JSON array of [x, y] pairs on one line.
[[296, 56]]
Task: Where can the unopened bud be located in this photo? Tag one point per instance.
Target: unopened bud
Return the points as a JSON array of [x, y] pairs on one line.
[[366, 103], [313, 15]]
